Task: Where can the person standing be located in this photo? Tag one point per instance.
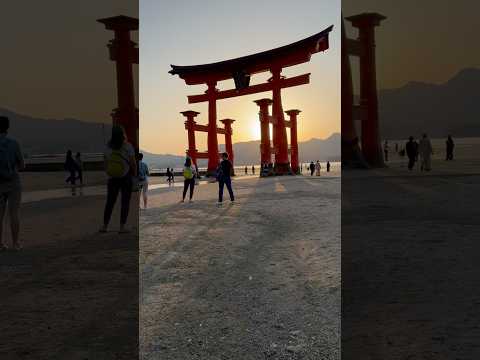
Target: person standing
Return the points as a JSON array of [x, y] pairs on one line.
[[189, 174], [143, 174], [385, 149], [450, 145], [72, 168], [79, 162], [121, 167], [312, 168], [328, 166], [411, 150], [318, 167], [425, 150], [253, 169], [169, 176], [11, 161], [224, 173], [246, 170]]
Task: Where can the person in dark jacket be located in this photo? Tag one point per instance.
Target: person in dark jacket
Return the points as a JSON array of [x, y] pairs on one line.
[[411, 147], [224, 172], [450, 145]]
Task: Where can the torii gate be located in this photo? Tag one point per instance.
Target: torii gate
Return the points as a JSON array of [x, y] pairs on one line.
[[125, 53], [367, 111], [240, 69]]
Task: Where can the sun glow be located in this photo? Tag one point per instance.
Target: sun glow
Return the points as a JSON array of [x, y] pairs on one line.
[[255, 131]]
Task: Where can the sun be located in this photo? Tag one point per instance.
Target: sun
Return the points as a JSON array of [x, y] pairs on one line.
[[255, 130]]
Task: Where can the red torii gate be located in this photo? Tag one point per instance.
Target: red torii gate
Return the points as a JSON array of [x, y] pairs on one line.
[[125, 53], [370, 154], [191, 126], [240, 69]]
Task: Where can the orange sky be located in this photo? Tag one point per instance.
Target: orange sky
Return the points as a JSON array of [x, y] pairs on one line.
[[189, 34]]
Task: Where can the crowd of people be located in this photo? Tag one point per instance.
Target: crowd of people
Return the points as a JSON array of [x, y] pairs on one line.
[[419, 151]]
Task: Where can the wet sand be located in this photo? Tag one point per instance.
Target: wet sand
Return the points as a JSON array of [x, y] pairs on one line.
[[259, 279], [410, 262], [68, 293]]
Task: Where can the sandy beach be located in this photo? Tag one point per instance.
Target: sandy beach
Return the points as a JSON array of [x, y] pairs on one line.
[[409, 262], [259, 279], [67, 294]]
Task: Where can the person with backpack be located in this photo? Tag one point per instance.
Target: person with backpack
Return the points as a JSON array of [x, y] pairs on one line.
[[121, 168], [143, 174], [11, 161], [224, 172], [189, 174]]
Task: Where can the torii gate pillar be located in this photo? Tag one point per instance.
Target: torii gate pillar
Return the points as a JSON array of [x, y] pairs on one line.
[[190, 127], [125, 53], [265, 144], [371, 145], [293, 140], [280, 143], [212, 141], [228, 138]]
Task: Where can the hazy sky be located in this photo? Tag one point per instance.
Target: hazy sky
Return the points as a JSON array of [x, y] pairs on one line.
[[427, 40], [55, 62], [188, 32]]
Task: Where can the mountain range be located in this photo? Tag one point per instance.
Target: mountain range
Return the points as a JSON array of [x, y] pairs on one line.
[[248, 153], [52, 136], [436, 109]]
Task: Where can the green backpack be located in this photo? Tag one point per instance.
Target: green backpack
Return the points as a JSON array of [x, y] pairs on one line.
[[116, 166], [188, 173]]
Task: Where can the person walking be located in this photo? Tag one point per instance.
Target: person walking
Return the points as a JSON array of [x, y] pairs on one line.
[[253, 169], [426, 151], [143, 174], [411, 150], [189, 174], [11, 161], [169, 177], [328, 166], [317, 168], [312, 168], [79, 162], [172, 175], [72, 168], [121, 167], [246, 170], [224, 173], [450, 145]]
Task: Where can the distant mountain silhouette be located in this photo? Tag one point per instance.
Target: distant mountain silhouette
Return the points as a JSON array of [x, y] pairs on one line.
[[439, 110], [247, 153], [50, 136]]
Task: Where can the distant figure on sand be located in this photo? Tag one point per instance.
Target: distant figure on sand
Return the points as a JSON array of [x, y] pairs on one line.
[[246, 170], [411, 149], [224, 173], [312, 168], [328, 166], [143, 174], [253, 169], [169, 176], [11, 161], [385, 150], [78, 160], [189, 174], [425, 150], [172, 175], [318, 167], [121, 167], [450, 145], [72, 168]]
